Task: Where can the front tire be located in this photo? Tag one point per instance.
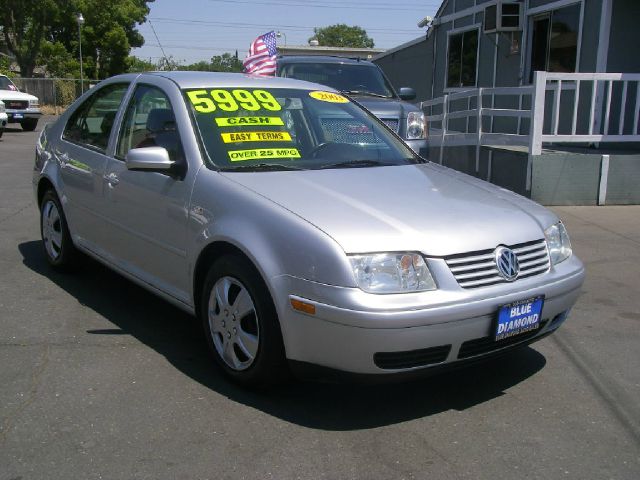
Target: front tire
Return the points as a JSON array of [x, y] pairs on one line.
[[241, 323], [56, 239], [29, 124]]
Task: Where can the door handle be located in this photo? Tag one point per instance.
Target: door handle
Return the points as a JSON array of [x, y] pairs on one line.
[[112, 179], [63, 158]]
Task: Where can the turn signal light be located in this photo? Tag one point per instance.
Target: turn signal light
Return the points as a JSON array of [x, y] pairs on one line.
[[303, 306]]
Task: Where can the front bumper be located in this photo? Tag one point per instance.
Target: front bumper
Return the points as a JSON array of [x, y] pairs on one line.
[[351, 328], [16, 116]]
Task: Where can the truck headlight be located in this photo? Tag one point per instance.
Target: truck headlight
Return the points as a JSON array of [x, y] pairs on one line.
[[392, 273], [416, 126], [558, 243], [34, 103], [2, 108]]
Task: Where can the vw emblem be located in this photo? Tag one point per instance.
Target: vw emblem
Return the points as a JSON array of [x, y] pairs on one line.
[[507, 262]]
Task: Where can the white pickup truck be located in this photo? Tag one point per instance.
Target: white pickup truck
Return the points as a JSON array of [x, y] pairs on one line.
[[20, 107]]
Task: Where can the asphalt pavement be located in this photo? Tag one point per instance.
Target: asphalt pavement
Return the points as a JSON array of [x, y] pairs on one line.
[[100, 379]]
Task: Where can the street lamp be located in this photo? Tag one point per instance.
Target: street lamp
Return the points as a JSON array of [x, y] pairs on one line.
[[281, 34], [80, 20]]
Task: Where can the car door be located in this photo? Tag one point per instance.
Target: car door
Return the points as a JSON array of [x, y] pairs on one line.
[[147, 211], [82, 156]]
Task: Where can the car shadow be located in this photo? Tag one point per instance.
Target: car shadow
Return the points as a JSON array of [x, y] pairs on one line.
[[12, 129], [339, 407]]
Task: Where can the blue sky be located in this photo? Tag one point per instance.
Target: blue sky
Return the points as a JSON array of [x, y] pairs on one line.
[[192, 30]]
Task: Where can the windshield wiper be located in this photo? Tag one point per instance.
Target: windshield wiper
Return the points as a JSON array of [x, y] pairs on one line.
[[356, 163], [259, 167], [369, 94]]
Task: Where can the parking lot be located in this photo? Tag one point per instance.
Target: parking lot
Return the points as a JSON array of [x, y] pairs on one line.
[[101, 379]]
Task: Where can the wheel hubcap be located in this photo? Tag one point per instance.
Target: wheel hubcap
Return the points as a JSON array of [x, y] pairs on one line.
[[52, 230], [233, 323]]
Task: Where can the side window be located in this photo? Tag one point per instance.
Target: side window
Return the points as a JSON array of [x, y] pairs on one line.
[[462, 59], [91, 123], [150, 122]]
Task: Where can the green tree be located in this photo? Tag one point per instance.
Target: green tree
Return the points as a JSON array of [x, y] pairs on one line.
[[226, 63], [341, 35], [5, 63], [109, 33], [218, 63], [24, 25], [58, 61], [136, 64], [35, 31]]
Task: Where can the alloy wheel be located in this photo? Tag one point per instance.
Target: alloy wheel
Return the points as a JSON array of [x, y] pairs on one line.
[[233, 323]]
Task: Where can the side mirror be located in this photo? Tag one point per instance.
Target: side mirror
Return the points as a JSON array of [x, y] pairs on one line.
[[149, 158], [407, 93]]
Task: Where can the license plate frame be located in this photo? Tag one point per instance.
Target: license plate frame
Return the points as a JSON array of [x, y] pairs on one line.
[[515, 318]]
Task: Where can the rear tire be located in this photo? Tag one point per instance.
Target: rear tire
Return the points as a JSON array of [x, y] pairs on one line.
[[241, 324], [29, 124], [56, 239]]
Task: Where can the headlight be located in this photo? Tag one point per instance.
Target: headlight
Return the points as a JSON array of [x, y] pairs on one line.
[[558, 243], [392, 273], [416, 126], [33, 103], [2, 109]]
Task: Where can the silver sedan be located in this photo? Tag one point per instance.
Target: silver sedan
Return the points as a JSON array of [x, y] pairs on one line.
[[302, 231]]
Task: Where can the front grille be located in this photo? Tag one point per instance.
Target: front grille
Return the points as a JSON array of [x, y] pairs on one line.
[[479, 269], [16, 104], [392, 123], [412, 358], [471, 348], [341, 130]]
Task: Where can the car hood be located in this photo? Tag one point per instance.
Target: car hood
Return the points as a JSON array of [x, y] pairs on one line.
[[425, 208], [385, 107], [12, 95]]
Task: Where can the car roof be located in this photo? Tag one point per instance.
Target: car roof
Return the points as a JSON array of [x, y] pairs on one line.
[[322, 59], [189, 79]]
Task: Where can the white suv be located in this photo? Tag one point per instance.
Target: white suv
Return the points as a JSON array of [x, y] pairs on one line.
[[3, 118], [20, 107]]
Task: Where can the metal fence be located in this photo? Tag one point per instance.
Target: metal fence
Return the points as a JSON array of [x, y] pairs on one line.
[[55, 93], [558, 108]]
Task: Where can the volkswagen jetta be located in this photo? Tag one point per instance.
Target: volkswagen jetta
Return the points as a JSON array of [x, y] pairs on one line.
[[298, 227]]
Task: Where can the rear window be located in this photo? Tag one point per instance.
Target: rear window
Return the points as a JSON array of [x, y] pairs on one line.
[[290, 128]]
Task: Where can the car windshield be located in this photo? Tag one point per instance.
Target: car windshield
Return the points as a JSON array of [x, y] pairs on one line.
[[291, 129], [6, 84], [357, 78]]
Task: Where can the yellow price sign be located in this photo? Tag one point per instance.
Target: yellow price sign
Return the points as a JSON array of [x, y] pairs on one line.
[[263, 154], [208, 101], [233, 137], [329, 97], [248, 121]]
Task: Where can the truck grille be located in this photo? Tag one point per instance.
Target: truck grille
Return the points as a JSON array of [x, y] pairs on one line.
[[392, 123], [342, 130], [479, 269], [16, 104]]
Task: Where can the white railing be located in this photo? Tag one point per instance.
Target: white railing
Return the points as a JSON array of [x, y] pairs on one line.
[[584, 108]]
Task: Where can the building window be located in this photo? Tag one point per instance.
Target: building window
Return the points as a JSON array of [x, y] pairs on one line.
[[463, 59], [554, 41]]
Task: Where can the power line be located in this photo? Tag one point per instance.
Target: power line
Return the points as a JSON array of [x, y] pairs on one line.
[[158, 40], [186, 21], [315, 5]]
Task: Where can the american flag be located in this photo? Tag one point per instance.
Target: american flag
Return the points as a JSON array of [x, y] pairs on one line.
[[262, 55]]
